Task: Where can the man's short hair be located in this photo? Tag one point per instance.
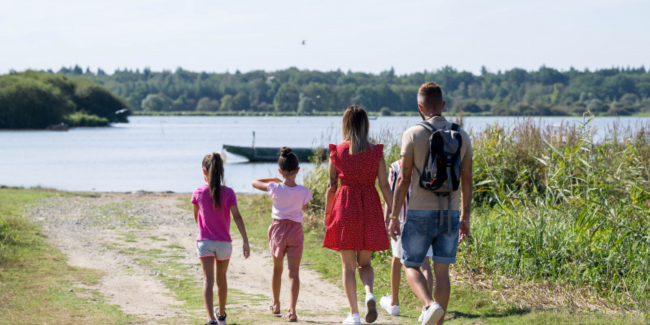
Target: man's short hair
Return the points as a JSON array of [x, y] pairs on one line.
[[430, 96]]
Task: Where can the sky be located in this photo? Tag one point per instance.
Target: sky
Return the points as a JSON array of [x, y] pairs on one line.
[[368, 36]]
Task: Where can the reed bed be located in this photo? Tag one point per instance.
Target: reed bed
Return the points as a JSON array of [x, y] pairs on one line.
[[552, 207]]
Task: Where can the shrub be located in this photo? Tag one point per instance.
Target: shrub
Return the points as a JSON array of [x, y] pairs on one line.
[[79, 119]]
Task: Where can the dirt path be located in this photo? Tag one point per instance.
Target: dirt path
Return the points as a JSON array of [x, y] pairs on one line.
[[145, 245]]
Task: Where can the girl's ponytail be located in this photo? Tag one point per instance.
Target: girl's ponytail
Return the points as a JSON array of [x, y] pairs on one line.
[[213, 166]]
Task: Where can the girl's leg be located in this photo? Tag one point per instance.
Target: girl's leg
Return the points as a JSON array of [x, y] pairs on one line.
[[349, 264], [276, 281], [222, 285], [207, 264], [395, 277], [366, 274], [294, 278]]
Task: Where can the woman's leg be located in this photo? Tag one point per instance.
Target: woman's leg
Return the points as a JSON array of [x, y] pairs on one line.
[[222, 285], [294, 278], [207, 264], [366, 274], [349, 264], [276, 281]]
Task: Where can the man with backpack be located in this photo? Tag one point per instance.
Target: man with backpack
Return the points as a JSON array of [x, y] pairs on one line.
[[437, 157]]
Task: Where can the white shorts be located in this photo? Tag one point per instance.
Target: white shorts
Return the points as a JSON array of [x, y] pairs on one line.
[[397, 248], [221, 250]]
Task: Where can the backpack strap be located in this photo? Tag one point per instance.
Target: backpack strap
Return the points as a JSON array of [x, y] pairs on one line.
[[455, 127], [428, 126]]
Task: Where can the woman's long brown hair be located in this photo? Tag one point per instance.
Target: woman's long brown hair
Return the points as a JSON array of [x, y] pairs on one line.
[[355, 129], [213, 166]]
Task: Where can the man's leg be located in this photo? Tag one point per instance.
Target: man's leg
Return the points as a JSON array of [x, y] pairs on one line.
[[428, 274], [416, 241], [426, 271], [445, 245], [443, 287]]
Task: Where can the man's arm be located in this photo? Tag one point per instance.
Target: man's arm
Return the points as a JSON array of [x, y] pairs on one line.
[[466, 188], [401, 189]]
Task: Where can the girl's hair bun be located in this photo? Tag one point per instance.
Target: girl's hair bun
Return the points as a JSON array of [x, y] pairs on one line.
[[285, 151]]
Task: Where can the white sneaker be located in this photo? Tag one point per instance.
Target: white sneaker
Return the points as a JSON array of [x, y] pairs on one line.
[[421, 316], [352, 319], [387, 303], [433, 314], [371, 308]]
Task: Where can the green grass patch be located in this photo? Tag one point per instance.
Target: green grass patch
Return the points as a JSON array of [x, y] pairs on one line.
[[35, 279]]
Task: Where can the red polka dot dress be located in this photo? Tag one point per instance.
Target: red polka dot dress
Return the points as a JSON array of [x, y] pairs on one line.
[[356, 220]]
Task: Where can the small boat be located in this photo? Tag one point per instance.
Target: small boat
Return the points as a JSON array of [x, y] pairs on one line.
[[58, 127], [259, 154]]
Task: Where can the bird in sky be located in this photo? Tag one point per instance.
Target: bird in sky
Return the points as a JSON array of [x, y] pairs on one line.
[[303, 42]]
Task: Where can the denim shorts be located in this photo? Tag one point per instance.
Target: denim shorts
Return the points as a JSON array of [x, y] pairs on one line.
[[423, 230]]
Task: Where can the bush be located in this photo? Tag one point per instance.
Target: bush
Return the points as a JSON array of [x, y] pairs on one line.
[[36, 100], [79, 119], [385, 111]]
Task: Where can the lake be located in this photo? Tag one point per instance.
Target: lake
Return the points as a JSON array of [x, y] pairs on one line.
[[165, 153]]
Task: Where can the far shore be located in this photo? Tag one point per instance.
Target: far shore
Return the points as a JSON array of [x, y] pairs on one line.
[[326, 114]]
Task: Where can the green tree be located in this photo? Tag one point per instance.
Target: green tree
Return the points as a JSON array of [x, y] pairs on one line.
[[153, 103], [227, 104], [286, 100], [241, 102], [305, 105], [206, 104]]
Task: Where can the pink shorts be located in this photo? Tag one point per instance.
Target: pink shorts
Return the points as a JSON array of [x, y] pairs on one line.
[[285, 237]]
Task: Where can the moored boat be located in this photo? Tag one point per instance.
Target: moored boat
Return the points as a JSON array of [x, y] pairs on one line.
[[259, 154]]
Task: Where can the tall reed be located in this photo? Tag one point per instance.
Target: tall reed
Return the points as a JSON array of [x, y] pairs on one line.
[[550, 205]]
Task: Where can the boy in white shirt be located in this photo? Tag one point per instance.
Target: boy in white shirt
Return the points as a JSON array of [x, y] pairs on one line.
[[391, 304]]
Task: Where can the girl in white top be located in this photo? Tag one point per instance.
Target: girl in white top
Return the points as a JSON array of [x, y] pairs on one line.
[[285, 232]]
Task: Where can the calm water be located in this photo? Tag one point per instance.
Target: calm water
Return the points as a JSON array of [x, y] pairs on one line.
[[165, 153]]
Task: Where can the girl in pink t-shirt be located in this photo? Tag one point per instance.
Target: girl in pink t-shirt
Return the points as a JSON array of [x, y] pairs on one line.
[[285, 232], [213, 204]]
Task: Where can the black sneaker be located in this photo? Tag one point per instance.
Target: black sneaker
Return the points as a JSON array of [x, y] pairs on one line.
[[212, 322]]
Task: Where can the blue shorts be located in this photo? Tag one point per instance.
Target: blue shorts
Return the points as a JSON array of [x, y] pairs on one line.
[[423, 230]]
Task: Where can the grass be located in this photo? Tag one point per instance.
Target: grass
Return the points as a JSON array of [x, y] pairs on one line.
[[30, 268]]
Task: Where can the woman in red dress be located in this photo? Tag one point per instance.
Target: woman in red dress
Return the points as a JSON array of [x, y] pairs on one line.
[[353, 215]]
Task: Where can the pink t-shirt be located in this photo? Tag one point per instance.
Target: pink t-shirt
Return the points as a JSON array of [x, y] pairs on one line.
[[214, 224], [288, 201]]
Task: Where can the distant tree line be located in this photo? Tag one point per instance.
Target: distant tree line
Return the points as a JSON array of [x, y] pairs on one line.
[[547, 91], [36, 100]]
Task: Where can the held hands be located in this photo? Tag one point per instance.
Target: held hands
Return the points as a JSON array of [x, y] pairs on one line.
[[393, 228], [463, 227], [247, 250]]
